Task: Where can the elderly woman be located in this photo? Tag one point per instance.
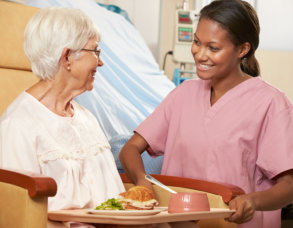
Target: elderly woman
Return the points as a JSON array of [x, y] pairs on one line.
[[44, 130]]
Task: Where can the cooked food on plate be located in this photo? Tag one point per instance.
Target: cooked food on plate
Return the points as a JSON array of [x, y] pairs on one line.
[[110, 204], [137, 198]]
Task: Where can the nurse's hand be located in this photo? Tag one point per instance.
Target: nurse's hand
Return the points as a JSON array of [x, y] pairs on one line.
[[244, 207]]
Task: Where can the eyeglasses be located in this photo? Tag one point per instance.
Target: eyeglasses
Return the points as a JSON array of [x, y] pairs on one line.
[[96, 52]]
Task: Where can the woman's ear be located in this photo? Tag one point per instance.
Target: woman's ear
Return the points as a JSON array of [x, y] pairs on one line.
[[244, 49], [65, 58]]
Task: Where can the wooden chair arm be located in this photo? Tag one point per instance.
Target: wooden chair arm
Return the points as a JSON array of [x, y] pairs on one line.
[[227, 191], [36, 184]]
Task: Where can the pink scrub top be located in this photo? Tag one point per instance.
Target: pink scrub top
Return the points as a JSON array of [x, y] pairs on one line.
[[244, 139]]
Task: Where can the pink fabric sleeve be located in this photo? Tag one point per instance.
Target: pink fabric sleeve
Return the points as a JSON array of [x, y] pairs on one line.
[[154, 129], [275, 149]]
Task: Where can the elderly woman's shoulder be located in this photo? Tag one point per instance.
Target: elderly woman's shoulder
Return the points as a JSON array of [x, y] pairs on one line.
[[19, 106]]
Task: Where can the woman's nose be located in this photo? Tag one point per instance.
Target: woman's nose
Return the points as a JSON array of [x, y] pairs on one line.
[[100, 62], [201, 54]]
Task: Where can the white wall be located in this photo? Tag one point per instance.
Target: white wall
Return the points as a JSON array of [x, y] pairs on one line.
[[276, 19], [275, 16], [145, 15]]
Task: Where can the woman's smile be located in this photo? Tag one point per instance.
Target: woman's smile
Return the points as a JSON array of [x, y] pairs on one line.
[[93, 74], [203, 67]]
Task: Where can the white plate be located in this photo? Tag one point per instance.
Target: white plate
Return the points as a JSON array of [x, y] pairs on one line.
[[156, 210]]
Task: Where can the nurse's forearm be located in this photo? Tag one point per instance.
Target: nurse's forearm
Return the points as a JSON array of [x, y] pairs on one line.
[[280, 195], [133, 165]]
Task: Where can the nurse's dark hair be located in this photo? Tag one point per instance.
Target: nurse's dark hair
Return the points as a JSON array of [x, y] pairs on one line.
[[240, 20]]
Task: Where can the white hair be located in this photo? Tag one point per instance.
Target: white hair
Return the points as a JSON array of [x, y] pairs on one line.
[[51, 30]]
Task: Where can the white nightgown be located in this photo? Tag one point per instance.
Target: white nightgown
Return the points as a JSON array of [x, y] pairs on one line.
[[72, 150]]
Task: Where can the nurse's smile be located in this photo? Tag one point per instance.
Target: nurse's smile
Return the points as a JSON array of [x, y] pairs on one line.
[[203, 67]]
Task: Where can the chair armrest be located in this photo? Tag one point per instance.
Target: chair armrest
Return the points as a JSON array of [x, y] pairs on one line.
[[36, 184], [227, 191]]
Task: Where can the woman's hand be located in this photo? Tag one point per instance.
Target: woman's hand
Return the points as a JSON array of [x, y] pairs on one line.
[[245, 208], [274, 198], [146, 183]]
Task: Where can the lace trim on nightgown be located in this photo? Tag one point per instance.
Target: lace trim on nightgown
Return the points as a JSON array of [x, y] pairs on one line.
[[80, 154]]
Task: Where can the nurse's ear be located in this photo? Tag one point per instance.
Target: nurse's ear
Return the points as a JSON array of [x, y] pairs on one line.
[[64, 60], [244, 49]]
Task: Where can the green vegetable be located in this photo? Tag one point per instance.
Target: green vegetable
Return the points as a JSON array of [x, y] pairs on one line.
[[110, 204]]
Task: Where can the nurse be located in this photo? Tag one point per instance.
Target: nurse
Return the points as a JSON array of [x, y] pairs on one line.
[[227, 126]]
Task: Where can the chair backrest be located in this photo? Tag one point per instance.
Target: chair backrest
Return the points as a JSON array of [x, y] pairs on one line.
[[15, 69]]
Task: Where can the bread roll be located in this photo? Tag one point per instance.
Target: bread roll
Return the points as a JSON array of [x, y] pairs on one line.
[[139, 198]]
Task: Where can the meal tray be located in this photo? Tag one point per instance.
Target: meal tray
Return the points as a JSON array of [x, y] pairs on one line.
[[83, 215]]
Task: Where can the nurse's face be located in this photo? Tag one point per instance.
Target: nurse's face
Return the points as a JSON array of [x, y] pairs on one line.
[[214, 54]]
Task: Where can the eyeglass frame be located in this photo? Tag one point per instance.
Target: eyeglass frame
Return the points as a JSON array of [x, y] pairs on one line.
[[96, 52]]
